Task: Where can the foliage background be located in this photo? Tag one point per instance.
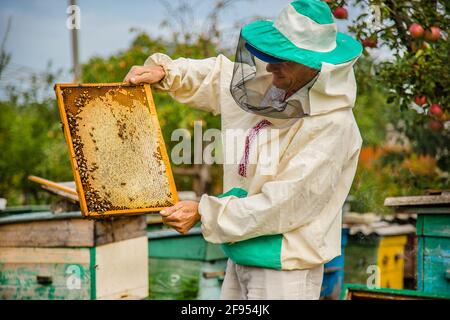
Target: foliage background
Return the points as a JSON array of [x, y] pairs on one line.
[[401, 155]]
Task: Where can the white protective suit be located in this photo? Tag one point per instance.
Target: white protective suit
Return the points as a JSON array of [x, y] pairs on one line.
[[291, 218]]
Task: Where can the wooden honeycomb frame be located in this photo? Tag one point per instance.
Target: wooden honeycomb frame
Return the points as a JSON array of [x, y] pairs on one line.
[[133, 97]]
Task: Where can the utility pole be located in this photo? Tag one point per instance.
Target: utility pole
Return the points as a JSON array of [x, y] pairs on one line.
[[75, 50]]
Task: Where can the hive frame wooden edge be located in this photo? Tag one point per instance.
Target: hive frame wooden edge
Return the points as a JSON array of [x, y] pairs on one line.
[[154, 117]]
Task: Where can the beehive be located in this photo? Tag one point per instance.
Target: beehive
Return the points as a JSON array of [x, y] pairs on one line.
[[116, 148]]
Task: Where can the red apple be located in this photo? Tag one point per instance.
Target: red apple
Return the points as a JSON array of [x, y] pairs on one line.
[[435, 125], [435, 110], [370, 43], [433, 34], [416, 30], [340, 13], [420, 100]]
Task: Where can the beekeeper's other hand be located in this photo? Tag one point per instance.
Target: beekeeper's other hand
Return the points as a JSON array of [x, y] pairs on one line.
[[145, 74], [182, 216]]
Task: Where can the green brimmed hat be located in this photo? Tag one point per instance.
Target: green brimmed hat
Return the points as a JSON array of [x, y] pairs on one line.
[[304, 32]]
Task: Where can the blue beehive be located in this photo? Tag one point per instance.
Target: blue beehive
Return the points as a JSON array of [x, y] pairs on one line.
[[333, 276]]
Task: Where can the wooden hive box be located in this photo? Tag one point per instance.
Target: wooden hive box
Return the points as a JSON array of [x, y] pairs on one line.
[[361, 292], [117, 152], [184, 266], [384, 251], [433, 232], [63, 256]]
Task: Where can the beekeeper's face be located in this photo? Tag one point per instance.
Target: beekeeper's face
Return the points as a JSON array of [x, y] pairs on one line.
[[290, 76]]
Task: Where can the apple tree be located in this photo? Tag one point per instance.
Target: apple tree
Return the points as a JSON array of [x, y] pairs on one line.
[[413, 35]]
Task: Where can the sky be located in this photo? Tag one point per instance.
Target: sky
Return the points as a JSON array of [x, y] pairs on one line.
[[38, 33]]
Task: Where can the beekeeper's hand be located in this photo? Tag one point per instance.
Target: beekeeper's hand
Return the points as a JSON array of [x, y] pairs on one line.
[[182, 216], [145, 74]]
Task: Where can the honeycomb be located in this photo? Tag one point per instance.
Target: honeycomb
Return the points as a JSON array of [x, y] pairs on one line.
[[119, 159]]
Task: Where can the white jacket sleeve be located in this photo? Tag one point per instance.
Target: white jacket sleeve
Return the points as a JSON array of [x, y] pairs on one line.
[[197, 83], [296, 195]]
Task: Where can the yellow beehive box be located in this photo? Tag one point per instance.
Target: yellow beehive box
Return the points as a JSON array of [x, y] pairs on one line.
[[391, 261]]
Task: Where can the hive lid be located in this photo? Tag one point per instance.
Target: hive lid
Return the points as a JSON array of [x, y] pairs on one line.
[[117, 152], [382, 229], [442, 199]]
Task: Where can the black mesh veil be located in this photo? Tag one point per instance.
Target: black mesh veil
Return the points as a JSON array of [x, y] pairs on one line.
[[252, 89]]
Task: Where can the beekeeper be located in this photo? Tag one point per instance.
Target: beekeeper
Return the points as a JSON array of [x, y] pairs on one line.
[[293, 77]]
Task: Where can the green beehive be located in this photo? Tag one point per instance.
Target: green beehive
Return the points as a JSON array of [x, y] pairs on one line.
[[433, 232], [184, 266], [433, 267]]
